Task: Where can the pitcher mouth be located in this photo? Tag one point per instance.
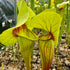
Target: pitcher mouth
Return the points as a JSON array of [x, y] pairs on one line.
[[46, 37]]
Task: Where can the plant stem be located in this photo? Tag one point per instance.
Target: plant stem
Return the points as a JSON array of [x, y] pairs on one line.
[[49, 3], [67, 20], [32, 5], [13, 53], [42, 2], [2, 66], [61, 32], [68, 24]]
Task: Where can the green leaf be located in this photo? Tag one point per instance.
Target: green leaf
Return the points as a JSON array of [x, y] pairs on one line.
[[31, 15], [37, 21], [25, 32], [26, 48], [22, 31], [23, 13], [7, 37], [48, 20]]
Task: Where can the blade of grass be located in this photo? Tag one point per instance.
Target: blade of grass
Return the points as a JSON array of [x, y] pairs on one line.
[[43, 2], [68, 23], [67, 19], [49, 3], [32, 5], [61, 32]]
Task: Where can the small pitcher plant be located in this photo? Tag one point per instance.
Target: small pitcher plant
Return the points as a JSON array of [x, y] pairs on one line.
[[48, 20]]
